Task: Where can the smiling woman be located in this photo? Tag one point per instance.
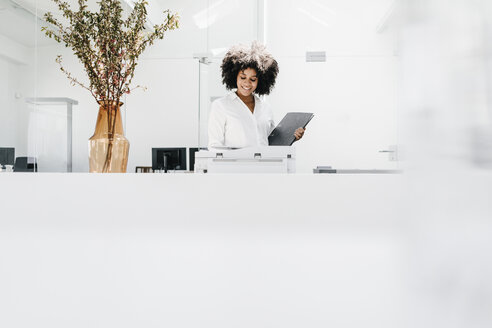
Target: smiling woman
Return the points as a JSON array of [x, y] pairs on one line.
[[241, 118]]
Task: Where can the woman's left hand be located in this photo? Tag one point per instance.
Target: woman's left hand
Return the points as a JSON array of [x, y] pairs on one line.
[[299, 133]]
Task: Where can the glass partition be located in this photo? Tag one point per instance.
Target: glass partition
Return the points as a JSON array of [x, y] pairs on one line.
[[351, 90], [337, 60], [17, 82], [350, 84], [164, 115]]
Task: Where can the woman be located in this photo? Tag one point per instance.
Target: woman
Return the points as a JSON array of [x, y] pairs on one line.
[[241, 119]]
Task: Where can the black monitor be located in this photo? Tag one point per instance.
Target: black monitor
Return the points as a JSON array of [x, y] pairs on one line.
[[168, 159], [7, 156]]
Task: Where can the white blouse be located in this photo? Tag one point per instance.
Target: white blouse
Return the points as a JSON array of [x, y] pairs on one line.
[[231, 123]]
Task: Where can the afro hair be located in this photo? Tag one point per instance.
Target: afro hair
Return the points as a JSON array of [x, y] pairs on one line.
[[241, 57]]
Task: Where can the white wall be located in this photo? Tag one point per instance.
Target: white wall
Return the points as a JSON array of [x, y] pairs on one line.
[[8, 117], [166, 115], [354, 102], [353, 94], [12, 123]]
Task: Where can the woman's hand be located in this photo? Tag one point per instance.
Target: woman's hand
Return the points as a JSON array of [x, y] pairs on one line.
[[299, 133]]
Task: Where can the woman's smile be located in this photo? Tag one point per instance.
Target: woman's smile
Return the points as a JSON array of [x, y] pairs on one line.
[[247, 82], [247, 89]]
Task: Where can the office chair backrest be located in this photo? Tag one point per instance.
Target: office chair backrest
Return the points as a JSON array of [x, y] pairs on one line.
[[26, 164]]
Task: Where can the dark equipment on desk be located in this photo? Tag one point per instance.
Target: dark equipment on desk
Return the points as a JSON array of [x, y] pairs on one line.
[[7, 156], [168, 159], [283, 134], [329, 169], [191, 156], [26, 164]]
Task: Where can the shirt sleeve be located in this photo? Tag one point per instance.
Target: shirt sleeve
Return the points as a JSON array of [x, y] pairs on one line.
[[271, 120], [216, 126]]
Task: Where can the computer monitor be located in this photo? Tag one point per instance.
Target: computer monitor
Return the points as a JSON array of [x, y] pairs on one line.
[[168, 159], [7, 156]]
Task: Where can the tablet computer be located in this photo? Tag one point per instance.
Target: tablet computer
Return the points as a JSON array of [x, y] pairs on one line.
[[283, 134]]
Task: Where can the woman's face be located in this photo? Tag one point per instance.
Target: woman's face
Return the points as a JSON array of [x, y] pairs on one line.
[[247, 82]]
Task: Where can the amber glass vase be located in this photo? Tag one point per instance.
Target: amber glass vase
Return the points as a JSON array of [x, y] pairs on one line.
[[108, 147]]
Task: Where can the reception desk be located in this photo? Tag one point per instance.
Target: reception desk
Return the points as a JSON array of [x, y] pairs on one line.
[[194, 250]]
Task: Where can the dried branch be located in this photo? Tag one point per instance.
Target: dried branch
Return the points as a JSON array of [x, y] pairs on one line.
[[107, 45]]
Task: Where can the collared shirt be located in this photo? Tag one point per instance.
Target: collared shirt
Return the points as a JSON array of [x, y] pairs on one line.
[[231, 123]]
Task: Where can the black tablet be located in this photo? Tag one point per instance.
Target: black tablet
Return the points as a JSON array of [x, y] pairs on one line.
[[283, 134]]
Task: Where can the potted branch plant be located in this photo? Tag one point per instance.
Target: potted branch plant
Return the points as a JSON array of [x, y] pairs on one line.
[[108, 45]]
